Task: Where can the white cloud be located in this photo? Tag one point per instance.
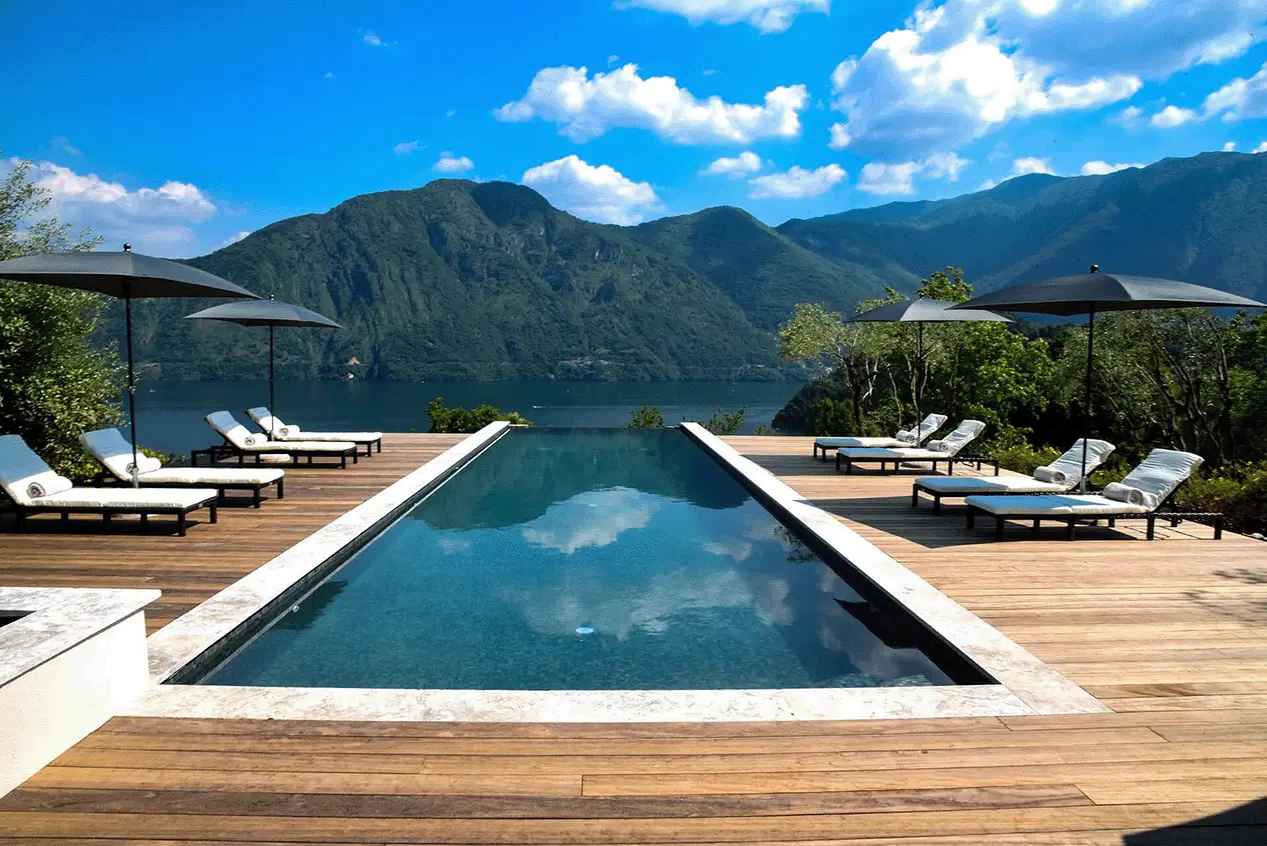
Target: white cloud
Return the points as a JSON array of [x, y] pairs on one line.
[[987, 185], [1229, 147], [1239, 99], [1098, 168], [796, 183], [899, 177], [612, 60], [233, 239], [404, 148], [328, 75], [154, 220], [450, 113], [736, 168], [1023, 166], [597, 193], [961, 68], [1172, 116], [765, 15], [368, 37], [586, 107], [448, 163], [1130, 117], [1261, 148], [62, 143]]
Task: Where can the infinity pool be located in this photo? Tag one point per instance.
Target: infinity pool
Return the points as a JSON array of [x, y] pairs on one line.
[[589, 559]]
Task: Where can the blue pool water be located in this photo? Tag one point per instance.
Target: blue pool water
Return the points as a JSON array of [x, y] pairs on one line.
[[585, 559]]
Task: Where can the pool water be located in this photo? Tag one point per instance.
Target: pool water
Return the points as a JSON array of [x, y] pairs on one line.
[[585, 559]]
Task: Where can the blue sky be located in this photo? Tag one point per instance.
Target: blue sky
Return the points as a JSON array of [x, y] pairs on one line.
[[179, 127]]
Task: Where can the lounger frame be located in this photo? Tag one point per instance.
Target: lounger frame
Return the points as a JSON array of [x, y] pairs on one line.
[[216, 452], [1071, 520], [918, 488], [181, 514], [107, 479], [950, 461]]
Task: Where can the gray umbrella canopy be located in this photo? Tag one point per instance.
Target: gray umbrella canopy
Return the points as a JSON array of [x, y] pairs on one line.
[[1086, 293], [122, 275], [272, 314], [126, 276], [921, 311], [1089, 293]]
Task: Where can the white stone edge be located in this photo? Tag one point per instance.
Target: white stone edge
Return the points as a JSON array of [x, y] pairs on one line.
[[59, 619], [1018, 672], [187, 637]]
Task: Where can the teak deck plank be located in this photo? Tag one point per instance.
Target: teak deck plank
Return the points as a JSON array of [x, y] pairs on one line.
[[1170, 635]]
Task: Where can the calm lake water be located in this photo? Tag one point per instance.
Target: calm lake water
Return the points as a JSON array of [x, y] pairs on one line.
[[170, 414]]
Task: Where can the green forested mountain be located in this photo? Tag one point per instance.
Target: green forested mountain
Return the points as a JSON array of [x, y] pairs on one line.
[[488, 281]]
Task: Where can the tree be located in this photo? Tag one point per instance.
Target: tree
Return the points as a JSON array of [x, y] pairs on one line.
[[54, 384]]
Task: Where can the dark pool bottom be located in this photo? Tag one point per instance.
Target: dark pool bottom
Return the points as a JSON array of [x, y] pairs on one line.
[[589, 559]]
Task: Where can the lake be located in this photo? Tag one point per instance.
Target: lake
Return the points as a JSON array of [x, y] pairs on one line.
[[170, 414]]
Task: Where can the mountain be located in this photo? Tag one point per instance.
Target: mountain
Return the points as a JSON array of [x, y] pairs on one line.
[[1200, 219], [461, 280], [464, 280]]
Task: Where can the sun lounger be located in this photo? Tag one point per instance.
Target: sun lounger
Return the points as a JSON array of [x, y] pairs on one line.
[[946, 449], [32, 487], [280, 431], [1144, 490], [114, 454], [239, 442], [1061, 476], [904, 437]]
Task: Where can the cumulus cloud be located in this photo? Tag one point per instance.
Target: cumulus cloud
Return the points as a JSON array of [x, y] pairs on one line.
[[599, 193], [448, 163], [737, 167], [1023, 166], [1130, 117], [1229, 147], [1239, 99], [765, 15], [1261, 148], [368, 37], [233, 239], [885, 178], [586, 107], [796, 183], [404, 148], [1098, 168], [958, 69], [1172, 116], [154, 220]]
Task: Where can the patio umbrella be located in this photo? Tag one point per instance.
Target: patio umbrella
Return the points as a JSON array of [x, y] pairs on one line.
[[1089, 293], [272, 314], [126, 276], [919, 312]]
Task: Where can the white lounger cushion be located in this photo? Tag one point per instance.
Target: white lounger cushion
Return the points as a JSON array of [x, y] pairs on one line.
[[1089, 505], [115, 454], [242, 438], [904, 437], [290, 432], [947, 447], [21, 469], [950, 485], [1156, 477], [1067, 469]]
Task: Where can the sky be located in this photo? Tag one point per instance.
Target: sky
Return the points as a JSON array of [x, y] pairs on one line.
[[181, 128]]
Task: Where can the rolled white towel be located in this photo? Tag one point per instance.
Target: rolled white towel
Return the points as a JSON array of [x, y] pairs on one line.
[[939, 446], [1051, 475], [905, 436], [146, 464], [248, 440], [35, 490], [287, 430], [1127, 494]]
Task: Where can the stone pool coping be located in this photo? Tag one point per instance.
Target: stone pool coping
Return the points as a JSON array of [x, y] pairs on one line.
[[1026, 685]]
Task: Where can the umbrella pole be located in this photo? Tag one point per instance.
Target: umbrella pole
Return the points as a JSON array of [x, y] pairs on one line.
[[272, 401], [1086, 432], [919, 367], [127, 311]]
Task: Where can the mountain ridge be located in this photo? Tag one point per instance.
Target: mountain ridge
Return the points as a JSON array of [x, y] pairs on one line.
[[466, 280]]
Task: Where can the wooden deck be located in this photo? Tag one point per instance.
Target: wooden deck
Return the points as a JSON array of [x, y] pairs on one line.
[[1172, 635]]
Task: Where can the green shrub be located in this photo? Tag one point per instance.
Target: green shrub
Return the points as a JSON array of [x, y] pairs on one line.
[[725, 423], [460, 420], [1238, 492], [832, 417], [1023, 458], [647, 417]]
